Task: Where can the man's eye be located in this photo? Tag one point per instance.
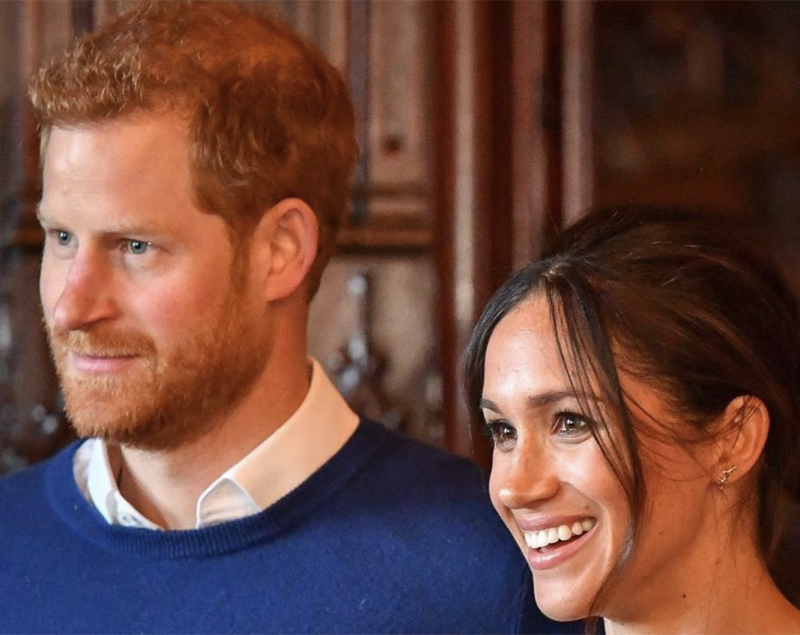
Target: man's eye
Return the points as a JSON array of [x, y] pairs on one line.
[[138, 247], [570, 424], [64, 238]]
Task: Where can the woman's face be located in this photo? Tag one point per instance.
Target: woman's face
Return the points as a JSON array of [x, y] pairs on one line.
[[557, 494]]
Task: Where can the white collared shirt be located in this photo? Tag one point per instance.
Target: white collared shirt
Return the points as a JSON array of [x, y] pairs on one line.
[[313, 434]]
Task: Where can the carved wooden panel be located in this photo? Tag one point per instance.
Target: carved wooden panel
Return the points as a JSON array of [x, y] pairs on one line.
[[10, 47], [31, 425], [402, 329], [384, 50], [398, 137], [697, 104]]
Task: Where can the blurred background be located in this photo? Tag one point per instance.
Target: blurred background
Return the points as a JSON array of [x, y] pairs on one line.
[[485, 126]]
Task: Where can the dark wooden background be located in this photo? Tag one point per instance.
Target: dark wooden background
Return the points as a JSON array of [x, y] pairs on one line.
[[486, 125]]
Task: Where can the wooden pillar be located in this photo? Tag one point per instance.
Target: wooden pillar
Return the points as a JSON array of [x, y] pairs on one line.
[[536, 95], [512, 154], [578, 160], [461, 141]]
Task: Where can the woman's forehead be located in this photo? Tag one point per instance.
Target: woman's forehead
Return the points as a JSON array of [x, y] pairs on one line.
[[523, 359]]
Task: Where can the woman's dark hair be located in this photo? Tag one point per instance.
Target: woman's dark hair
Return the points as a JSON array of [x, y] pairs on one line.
[[684, 302]]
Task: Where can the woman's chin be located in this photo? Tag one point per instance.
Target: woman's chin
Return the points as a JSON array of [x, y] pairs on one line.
[[561, 609]]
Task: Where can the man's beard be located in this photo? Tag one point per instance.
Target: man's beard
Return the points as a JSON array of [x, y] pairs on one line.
[[169, 397]]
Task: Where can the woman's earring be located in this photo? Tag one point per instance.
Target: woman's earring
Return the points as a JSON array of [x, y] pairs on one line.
[[722, 481]]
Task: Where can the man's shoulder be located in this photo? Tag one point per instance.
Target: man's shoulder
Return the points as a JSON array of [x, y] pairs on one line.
[[410, 461], [30, 483], [415, 480]]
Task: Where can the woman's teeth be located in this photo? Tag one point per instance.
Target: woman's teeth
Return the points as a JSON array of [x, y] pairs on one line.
[[552, 535]]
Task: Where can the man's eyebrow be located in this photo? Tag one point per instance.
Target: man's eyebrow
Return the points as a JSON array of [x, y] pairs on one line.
[[41, 216], [121, 228], [544, 399]]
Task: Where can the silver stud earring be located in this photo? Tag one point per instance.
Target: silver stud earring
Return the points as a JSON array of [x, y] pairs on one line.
[[722, 481]]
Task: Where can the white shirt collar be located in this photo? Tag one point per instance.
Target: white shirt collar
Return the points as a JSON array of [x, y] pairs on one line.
[[305, 442]]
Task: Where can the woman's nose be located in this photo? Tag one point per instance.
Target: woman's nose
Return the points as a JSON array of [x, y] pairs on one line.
[[524, 478]]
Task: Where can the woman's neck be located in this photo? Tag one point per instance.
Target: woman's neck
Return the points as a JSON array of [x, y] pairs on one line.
[[739, 597]]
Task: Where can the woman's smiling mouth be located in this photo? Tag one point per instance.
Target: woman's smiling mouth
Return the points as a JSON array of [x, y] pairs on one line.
[[560, 533]]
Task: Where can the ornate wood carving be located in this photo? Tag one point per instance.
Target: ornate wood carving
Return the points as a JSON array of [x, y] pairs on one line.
[[360, 370]]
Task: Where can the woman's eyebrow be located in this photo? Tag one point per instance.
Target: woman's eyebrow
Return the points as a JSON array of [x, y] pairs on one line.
[[544, 399]]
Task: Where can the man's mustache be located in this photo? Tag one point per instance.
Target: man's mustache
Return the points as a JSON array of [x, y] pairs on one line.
[[102, 342]]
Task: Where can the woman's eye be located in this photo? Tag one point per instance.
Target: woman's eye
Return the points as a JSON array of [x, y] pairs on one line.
[[570, 424], [138, 247], [502, 433]]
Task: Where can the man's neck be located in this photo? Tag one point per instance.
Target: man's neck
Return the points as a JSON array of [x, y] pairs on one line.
[[164, 485]]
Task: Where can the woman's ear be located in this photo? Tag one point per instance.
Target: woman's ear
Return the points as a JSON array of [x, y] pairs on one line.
[[286, 243], [743, 430]]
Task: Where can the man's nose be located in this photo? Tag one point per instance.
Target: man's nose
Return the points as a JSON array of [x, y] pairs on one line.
[[87, 293]]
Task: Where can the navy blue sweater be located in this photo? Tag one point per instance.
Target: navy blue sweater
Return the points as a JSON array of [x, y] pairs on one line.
[[388, 536]]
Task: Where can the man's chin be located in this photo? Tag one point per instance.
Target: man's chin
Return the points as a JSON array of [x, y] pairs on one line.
[[90, 423], [102, 407], [148, 429]]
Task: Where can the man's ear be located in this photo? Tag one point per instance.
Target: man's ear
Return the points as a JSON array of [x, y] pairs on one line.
[[285, 240], [743, 431]]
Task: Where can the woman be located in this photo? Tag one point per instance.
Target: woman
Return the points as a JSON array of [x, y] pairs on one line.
[[641, 385]]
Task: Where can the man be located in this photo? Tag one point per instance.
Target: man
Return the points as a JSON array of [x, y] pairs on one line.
[[196, 164]]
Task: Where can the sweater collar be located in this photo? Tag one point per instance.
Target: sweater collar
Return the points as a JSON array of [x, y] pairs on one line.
[[265, 475], [366, 446]]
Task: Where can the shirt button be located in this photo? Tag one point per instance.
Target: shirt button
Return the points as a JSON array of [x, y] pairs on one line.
[[127, 519]]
